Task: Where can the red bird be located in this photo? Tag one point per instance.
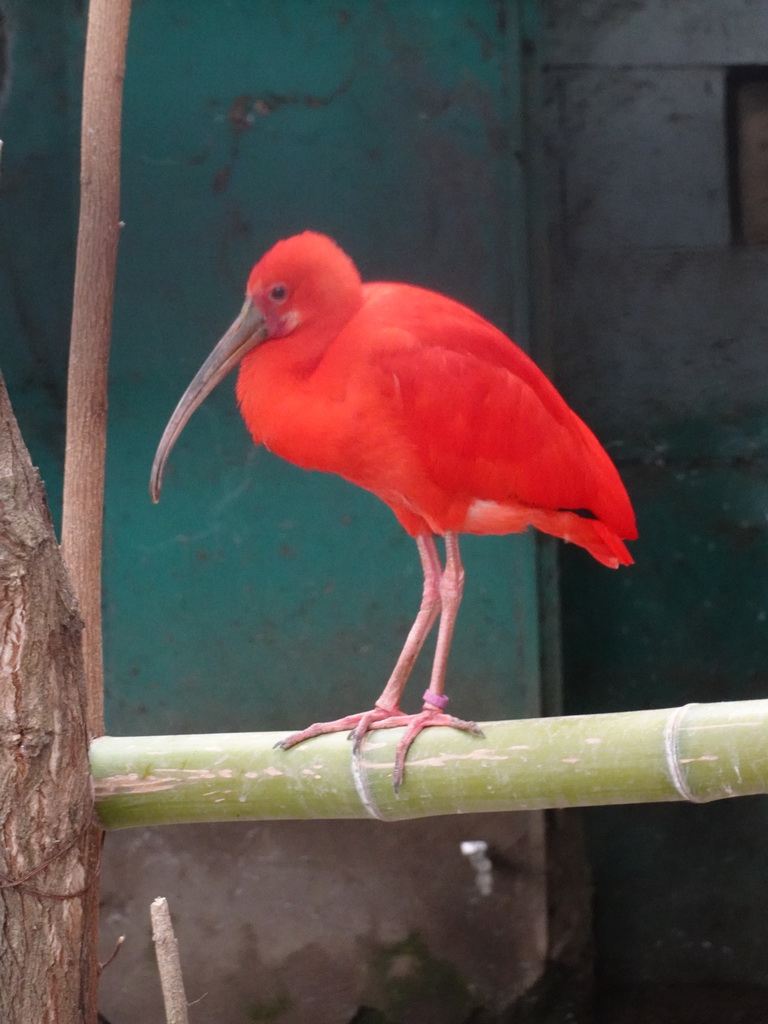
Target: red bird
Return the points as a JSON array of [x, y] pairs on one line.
[[424, 403]]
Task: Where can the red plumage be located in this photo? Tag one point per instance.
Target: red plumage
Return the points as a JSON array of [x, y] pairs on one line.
[[423, 402]]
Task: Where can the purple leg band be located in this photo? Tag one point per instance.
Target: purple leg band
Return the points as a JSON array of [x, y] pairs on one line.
[[437, 700]]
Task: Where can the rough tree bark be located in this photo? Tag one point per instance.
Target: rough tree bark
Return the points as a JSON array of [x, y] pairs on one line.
[[48, 845]]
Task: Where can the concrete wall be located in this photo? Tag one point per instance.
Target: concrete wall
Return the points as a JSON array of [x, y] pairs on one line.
[[660, 342]]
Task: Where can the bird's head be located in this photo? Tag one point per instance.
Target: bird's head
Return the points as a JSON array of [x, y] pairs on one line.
[[303, 281]]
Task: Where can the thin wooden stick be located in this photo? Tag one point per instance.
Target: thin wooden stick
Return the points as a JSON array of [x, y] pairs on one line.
[[168, 963], [97, 236]]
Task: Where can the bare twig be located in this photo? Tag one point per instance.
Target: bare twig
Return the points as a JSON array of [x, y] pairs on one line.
[[113, 954], [167, 951]]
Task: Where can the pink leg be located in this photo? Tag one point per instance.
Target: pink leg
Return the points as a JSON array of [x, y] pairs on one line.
[[451, 589], [423, 623], [388, 704], [442, 592]]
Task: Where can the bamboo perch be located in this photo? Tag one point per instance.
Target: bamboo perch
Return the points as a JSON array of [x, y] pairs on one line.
[[698, 752]]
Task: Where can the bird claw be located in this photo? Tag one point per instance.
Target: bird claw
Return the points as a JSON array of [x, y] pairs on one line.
[[471, 727]]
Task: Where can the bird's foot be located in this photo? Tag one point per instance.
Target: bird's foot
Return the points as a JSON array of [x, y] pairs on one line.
[[414, 724], [383, 718]]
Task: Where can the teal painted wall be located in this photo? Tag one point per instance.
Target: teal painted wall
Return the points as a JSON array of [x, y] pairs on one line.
[[39, 125], [256, 596]]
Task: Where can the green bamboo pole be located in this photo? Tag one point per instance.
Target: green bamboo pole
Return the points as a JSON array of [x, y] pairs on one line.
[[698, 752]]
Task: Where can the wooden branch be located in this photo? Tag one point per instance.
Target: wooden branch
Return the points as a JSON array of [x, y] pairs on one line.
[[97, 237], [168, 963], [48, 968], [698, 752]]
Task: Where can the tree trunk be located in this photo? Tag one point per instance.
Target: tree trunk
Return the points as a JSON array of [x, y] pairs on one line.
[[49, 848]]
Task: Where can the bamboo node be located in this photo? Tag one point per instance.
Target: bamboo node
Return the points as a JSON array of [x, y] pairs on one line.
[[672, 757], [361, 780]]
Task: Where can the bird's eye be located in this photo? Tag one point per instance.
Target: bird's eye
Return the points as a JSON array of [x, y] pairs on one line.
[[278, 292]]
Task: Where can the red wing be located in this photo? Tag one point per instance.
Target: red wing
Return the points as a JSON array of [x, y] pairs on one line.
[[487, 423]]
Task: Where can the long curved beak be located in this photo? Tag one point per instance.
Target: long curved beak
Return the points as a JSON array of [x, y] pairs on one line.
[[248, 331]]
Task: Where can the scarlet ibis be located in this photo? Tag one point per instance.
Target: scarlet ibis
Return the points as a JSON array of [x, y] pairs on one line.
[[421, 401]]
